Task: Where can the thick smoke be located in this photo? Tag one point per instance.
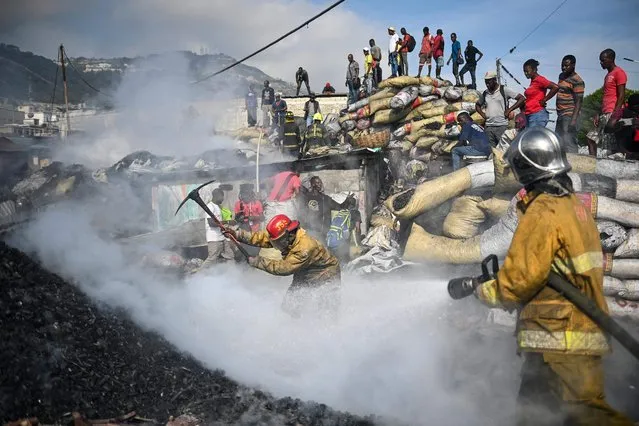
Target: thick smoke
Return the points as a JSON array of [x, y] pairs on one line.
[[158, 109], [392, 352]]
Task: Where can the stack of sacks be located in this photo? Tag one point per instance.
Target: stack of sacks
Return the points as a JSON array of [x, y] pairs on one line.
[[478, 226], [414, 115]]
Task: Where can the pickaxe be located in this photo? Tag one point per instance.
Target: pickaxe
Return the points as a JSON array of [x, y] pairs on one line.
[[195, 196]]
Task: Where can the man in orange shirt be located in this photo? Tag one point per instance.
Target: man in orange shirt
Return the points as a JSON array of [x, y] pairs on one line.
[[426, 52]]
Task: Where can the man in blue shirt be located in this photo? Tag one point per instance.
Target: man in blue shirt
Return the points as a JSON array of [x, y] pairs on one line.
[[472, 140], [456, 57]]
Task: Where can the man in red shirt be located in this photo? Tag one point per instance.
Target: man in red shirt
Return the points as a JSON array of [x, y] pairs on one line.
[[426, 52], [614, 94], [403, 51], [438, 52], [286, 185]]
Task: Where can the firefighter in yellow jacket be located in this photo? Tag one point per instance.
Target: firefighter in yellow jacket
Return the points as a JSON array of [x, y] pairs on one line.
[[562, 376], [316, 272]]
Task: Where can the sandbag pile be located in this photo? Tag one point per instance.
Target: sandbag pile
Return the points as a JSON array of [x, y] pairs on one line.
[[416, 116], [483, 216]]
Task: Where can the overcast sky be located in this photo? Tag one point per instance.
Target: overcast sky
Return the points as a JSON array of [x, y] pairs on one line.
[[238, 27]]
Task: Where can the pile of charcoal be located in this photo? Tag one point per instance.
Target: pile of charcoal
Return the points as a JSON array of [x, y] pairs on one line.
[[61, 353]]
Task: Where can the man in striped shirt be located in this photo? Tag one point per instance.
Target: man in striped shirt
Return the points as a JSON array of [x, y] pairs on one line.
[[569, 101]]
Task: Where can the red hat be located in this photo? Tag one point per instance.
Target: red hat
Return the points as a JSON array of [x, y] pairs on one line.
[[278, 226]]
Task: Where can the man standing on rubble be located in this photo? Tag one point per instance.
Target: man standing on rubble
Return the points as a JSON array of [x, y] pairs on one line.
[[352, 79], [470, 54], [316, 272], [268, 97], [250, 102], [456, 57], [562, 378], [426, 52], [279, 111], [569, 100], [393, 54], [493, 106], [301, 76], [319, 207], [614, 94], [472, 140], [376, 53], [310, 108], [438, 53]]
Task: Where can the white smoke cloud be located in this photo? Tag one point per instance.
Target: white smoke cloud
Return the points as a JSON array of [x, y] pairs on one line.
[[391, 353]]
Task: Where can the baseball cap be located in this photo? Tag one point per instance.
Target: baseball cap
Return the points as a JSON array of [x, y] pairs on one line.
[[490, 75]]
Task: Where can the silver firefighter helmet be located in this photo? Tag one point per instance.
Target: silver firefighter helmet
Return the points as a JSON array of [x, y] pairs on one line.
[[536, 154]]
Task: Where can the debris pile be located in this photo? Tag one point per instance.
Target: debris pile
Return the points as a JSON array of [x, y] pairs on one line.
[[61, 353]]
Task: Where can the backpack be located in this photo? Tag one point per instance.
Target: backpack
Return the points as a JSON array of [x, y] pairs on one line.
[[503, 95], [338, 233], [411, 43]]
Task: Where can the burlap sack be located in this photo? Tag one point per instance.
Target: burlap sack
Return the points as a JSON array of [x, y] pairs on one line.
[[373, 139], [411, 203], [626, 289], [388, 92], [380, 104], [505, 180], [424, 247], [415, 135], [630, 247], [400, 82], [426, 141], [494, 207], [464, 218], [388, 116], [471, 96]]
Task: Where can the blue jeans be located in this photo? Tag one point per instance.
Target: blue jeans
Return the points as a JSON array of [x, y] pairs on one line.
[[352, 92], [538, 119], [458, 152], [393, 64]]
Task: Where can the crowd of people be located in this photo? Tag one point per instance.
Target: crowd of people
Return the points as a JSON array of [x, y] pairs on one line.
[[336, 224]]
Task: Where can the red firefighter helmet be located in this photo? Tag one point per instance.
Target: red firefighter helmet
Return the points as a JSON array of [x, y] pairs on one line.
[[278, 230], [279, 225]]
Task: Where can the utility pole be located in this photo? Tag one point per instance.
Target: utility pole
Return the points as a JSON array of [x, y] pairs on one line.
[[66, 93], [498, 66]]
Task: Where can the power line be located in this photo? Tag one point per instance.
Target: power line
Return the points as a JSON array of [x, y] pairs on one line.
[[80, 74], [272, 43], [536, 28]]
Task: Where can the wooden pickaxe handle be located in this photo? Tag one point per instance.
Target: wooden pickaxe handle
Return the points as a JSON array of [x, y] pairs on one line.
[[195, 196]]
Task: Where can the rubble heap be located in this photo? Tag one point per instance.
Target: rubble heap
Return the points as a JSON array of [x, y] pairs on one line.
[[62, 353]]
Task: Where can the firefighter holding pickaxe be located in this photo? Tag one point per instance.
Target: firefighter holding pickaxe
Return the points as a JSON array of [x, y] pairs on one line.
[[316, 272]]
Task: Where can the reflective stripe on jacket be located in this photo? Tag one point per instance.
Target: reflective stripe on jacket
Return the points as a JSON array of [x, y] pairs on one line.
[[555, 233], [292, 138], [310, 263]]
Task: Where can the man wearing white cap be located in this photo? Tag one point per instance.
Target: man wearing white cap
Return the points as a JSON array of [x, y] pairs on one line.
[[393, 45], [494, 106]]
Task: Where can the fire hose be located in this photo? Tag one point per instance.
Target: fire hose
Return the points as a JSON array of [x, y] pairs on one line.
[[195, 196], [459, 288]]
